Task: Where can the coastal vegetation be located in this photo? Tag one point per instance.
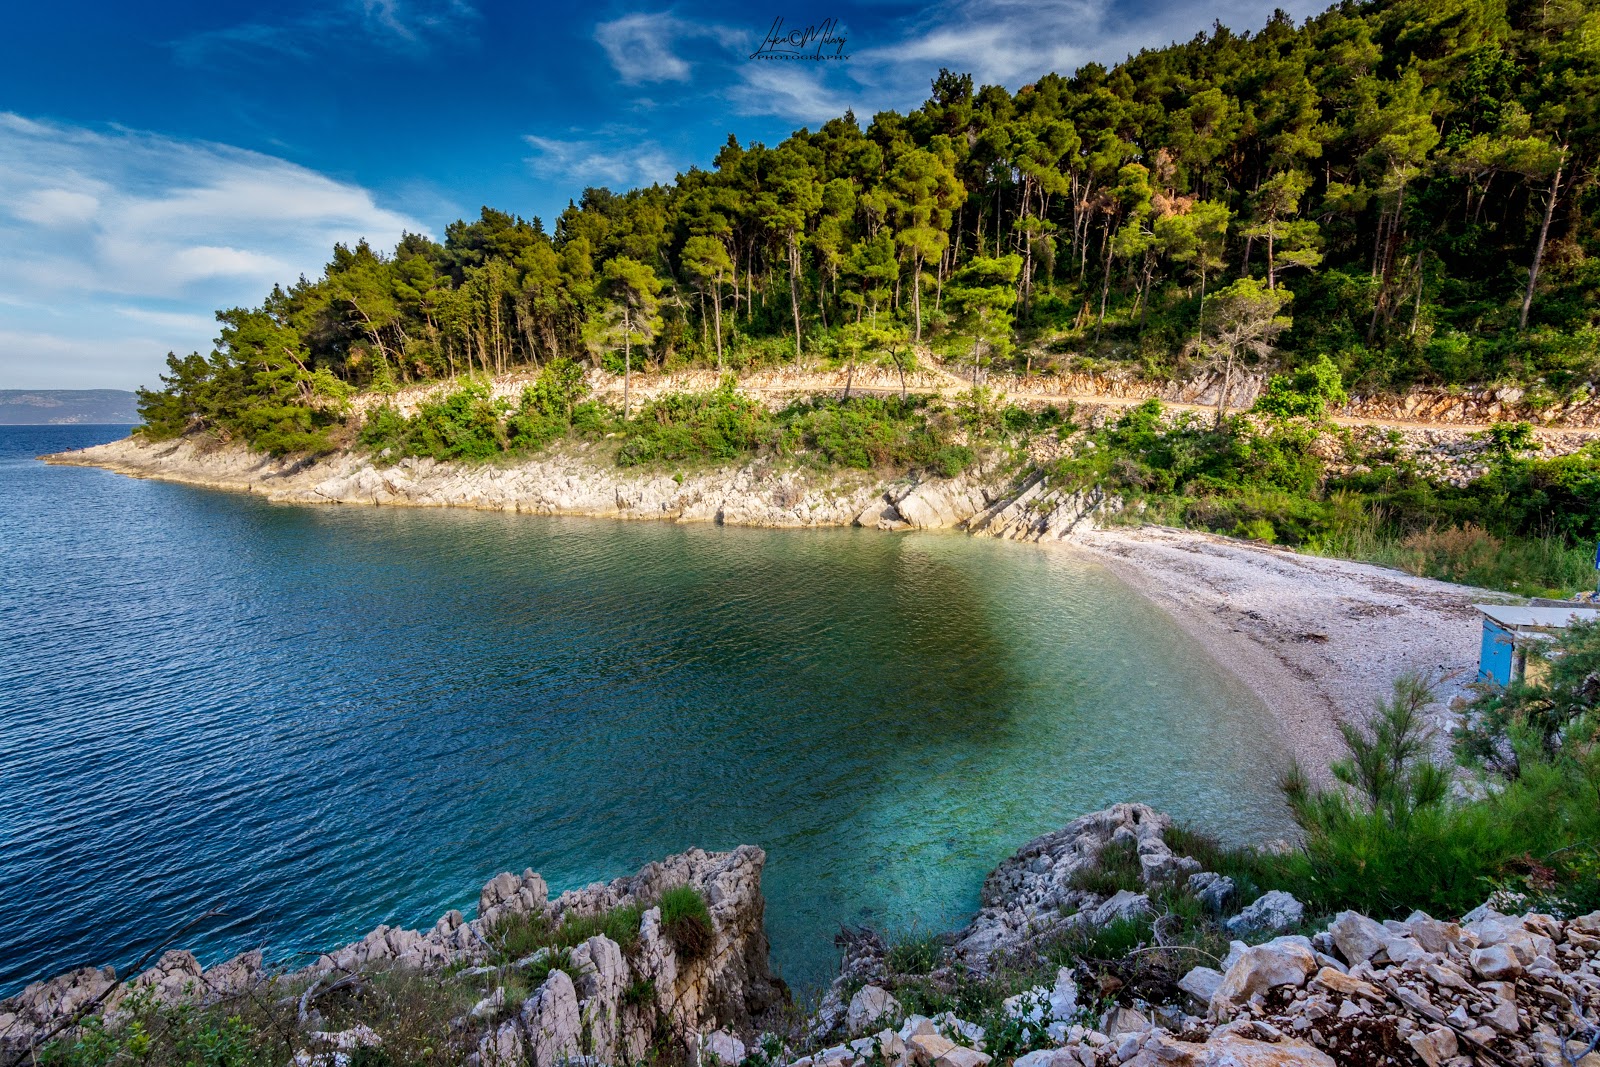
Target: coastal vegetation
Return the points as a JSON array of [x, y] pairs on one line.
[[1408, 183], [1523, 523], [1386, 195], [718, 426]]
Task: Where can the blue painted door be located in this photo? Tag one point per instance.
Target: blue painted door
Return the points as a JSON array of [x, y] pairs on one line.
[[1494, 661]]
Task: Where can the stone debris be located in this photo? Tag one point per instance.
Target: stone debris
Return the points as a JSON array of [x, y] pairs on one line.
[[1496, 990], [1493, 989], [1031, 894]]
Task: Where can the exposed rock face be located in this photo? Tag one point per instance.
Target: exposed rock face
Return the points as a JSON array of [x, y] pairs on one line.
[[1031, 894], [1444, 406], [574, 481], [731, 984]]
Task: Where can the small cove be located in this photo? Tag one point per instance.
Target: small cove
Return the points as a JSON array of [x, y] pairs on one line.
[[328, 718]]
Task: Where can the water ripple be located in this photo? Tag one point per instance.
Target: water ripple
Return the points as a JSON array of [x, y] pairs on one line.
[[327, 718]]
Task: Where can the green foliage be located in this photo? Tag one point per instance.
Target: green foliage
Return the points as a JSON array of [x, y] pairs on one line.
[[1524, 526], [520, 935], [914, 953], [1141, 214], [686, 920], [1396, 842], [1116, 868], [552, 959], [1306, 394], [183, 1036], [717, 426]]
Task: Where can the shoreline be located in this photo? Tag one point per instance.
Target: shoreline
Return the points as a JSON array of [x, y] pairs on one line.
[[1316, 639], [1319, 640]]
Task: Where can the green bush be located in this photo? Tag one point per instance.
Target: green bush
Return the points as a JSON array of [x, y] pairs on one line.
[[686, 920], [914, 953], [1115, 869]]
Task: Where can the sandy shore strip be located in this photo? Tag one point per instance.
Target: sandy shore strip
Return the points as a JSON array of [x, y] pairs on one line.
[[1319, 640]]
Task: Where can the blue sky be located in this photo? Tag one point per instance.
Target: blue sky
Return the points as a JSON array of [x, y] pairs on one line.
[[159, 160]]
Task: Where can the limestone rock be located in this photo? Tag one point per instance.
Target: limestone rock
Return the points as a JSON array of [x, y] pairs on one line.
[[1272, 912], [1201, 983], [1211, 889], [551, 1022], [1358, 937], [870, 1004], [502, 1046], [1496, 963], [1262, 967], [722, 1047]]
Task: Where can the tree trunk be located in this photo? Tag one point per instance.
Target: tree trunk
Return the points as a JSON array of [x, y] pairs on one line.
[[627, 361], [716, 310], [1105, 290], [916, 295], [1416, 311], [1227, 384], [1538, 248], [794, 290]]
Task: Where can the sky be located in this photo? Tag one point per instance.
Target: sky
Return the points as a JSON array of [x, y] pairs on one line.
[[163, 159]]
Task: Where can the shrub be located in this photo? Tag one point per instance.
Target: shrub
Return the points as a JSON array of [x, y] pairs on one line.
[[1115, 869], [914, 954], [686, 920]]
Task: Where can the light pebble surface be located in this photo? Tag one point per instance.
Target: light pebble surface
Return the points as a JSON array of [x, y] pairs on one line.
[[1319, 640]]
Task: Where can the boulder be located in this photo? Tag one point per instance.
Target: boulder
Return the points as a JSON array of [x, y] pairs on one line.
[[1357, 937], [1125, 904], [1212, 890], [1229, 1051], [1201, 983], [870, 1004], [1436, 1047], [234, 977], [723, 1048], [1496, 963], [1271, 913], [961, 1056], [1280, 962], [502, 1046], [1045, 1004], [926, 1048]]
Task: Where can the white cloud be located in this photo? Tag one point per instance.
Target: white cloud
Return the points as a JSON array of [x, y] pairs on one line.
[[414, 26], [57, 207], [640, 48], [617, 158], [798, 92], [121, 241], [1009, 42], [651, 46]]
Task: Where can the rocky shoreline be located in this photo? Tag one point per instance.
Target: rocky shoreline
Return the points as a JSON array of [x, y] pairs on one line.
[[1309, 635], [572, 481], [1491, 988]]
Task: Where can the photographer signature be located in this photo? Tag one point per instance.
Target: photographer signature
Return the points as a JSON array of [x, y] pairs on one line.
[[809, 43]]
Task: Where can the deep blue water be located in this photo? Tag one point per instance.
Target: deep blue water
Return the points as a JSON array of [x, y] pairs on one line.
[[326, 718]]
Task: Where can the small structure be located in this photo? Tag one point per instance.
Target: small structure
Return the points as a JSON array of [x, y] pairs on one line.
[[1507, 630]]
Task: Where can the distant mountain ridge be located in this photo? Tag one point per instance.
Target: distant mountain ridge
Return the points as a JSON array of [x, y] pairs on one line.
[[65, 407]]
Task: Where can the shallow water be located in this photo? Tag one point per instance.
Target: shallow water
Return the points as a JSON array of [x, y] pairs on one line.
[[327, 718]]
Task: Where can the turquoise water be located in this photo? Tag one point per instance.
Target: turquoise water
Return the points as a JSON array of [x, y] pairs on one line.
[[327, 718]]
